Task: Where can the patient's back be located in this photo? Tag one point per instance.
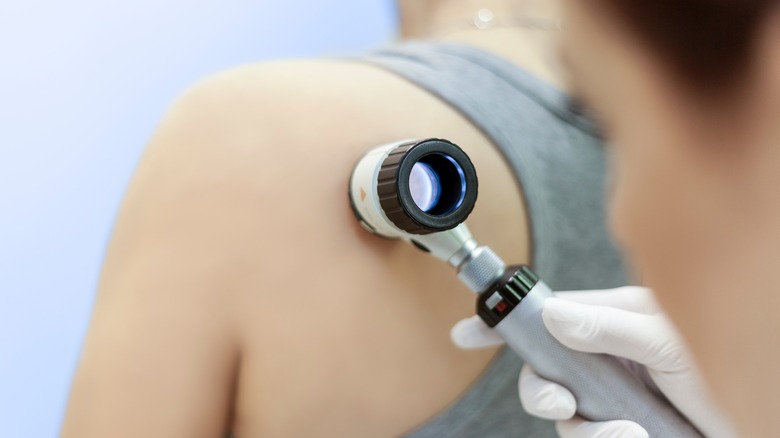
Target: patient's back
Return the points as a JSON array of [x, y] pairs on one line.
[[350, 334], [239, 294]]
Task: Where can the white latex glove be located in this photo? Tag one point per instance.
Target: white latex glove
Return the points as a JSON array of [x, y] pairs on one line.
[[625, 323]]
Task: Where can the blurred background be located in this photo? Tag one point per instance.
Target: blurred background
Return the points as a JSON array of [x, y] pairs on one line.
[[82, 86]]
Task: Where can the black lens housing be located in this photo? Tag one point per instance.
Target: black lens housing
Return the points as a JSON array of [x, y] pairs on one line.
[[454, 205]]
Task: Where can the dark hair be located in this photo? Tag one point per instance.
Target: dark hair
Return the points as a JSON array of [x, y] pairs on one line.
[[707, 43]]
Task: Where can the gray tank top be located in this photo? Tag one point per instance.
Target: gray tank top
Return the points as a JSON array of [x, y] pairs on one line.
[[559, 163]]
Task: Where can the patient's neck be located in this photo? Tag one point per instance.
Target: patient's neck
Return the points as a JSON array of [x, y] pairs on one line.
[[429, 18], [448, 20]]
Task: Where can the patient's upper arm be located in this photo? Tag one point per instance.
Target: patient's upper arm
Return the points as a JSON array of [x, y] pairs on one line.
[[161, 355]]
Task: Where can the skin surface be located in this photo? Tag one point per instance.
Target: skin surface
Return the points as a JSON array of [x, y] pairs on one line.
[[695, 200], [239, 294]]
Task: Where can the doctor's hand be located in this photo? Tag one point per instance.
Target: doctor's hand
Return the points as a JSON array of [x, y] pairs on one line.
[[625, 323]]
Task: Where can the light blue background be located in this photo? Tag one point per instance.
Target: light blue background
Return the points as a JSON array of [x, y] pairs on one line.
[[82, 85]]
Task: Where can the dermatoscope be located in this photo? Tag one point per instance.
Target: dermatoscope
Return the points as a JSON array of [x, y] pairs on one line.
[[422, 192]]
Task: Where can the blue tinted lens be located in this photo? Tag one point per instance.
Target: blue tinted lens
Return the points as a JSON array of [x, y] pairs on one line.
[[437, 184], [425, 186]]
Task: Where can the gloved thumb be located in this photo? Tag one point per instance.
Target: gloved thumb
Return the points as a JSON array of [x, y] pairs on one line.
[[647, 339], [472, 333]]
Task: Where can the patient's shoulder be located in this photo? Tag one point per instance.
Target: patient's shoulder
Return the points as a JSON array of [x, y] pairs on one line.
[[305, 102], [322, 99]]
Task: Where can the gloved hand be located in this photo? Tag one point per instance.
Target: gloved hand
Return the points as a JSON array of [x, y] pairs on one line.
[[625, 323]]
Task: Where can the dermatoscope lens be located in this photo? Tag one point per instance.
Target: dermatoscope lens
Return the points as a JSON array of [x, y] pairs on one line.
[[437, 184], [425, 186]]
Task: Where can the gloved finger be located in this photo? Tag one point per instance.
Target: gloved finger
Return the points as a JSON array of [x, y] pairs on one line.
[[579, 428], [631, 298], [472, 333], [544, 399], [647, 339]]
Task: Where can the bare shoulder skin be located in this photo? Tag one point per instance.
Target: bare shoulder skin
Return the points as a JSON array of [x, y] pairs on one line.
[[239, 294]]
